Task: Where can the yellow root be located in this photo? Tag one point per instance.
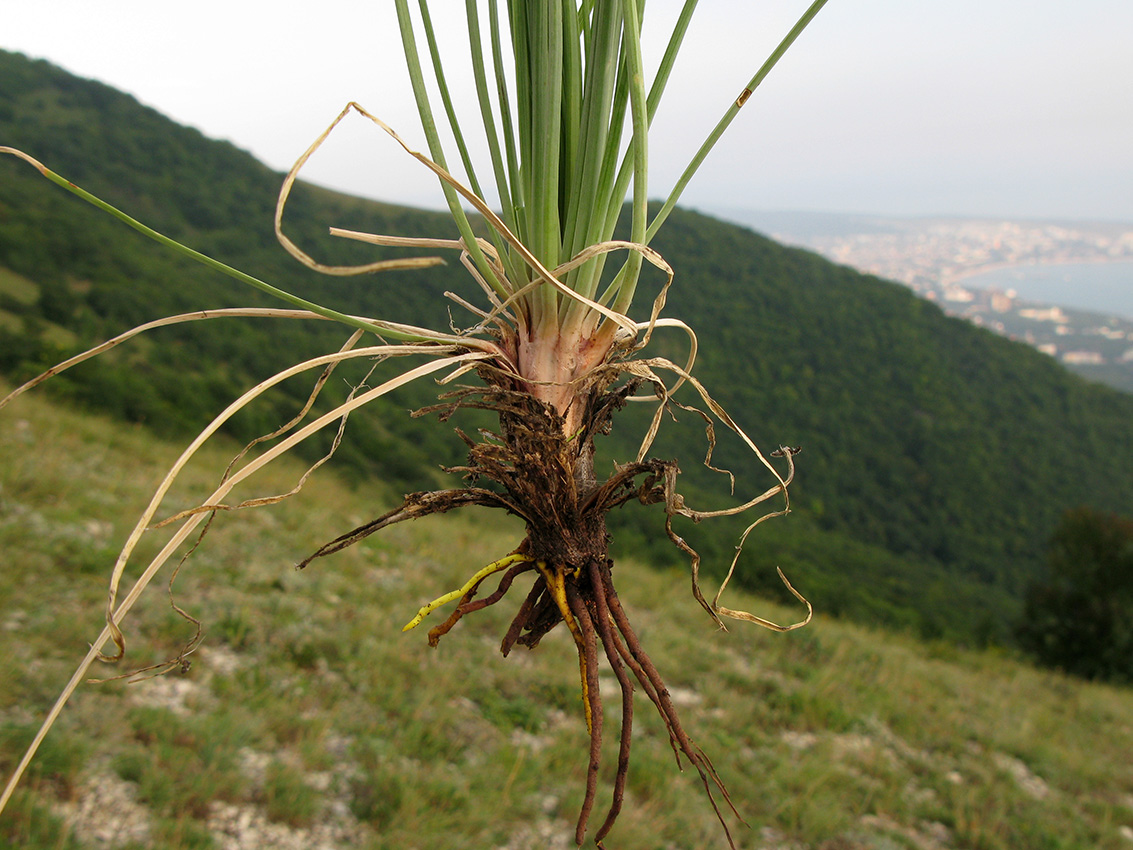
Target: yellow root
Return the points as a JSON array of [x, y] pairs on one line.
[[555, 580], [494, 567]]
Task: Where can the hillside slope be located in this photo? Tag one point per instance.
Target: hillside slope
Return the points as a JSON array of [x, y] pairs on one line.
[[937, 457], [309, 719], [922, 433]]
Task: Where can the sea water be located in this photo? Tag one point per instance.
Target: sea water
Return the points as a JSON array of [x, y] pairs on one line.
[[1098, 287]]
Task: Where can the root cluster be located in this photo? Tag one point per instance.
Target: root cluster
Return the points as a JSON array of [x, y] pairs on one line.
[[547, 478]]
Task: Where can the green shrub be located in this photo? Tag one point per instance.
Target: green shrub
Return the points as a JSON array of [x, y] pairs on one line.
[[1080, 617]]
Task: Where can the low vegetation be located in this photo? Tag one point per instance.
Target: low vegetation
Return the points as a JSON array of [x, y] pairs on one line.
[[309, 716], [1079, 617]]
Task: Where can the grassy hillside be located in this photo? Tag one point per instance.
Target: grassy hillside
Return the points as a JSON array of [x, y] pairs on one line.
[[937, 458], [308, 718]]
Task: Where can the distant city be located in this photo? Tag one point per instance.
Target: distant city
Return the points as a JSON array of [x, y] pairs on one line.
[[940, 257]]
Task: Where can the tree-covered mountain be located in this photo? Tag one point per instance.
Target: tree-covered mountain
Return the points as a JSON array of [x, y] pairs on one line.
[[937, 458]]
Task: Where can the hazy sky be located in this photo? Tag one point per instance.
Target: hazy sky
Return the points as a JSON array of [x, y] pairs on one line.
[[1017, 108]]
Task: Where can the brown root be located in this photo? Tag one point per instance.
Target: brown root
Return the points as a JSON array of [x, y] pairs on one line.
[[588, 655], [467, 604], [612, 644], [547, 477]]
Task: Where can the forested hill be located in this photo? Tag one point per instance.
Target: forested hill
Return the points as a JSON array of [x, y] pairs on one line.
[[936, 457]]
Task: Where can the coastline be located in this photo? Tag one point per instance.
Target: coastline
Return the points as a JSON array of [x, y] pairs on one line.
[[948, 279], [1041, 283]]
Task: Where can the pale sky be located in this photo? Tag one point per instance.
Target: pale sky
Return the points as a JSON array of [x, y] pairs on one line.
[[1014, 108]]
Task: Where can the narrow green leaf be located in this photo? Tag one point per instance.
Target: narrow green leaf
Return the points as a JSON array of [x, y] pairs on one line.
[[436, 149], [640, 114], [377, 327], [733, 110]]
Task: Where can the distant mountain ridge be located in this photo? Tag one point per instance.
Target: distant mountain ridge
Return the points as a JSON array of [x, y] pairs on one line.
[[936, 457]]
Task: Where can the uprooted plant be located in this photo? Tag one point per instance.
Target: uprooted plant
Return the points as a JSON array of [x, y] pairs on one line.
[[553, 346]]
